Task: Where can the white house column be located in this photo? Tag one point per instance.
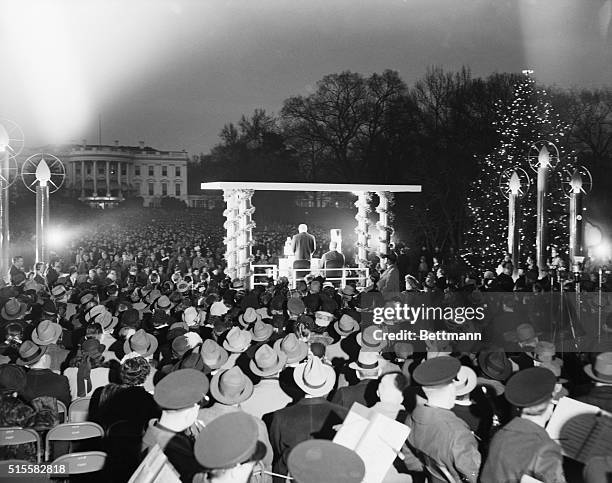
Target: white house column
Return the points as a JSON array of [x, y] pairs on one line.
[[83, 179], [119, 193], [108, 188], [95, 178]]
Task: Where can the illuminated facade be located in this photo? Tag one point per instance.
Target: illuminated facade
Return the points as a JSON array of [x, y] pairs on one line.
[[105, 175]]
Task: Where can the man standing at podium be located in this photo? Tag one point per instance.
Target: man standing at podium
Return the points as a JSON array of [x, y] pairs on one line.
[[303, 244]]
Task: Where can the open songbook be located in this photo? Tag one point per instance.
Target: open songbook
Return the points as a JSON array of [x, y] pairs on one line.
[[582, 430], [376, 438]]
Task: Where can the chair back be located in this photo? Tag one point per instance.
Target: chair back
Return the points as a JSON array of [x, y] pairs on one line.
[[78, 411], [72, 432], [84, 462], [62, 412], [17, 436], [301, 264]]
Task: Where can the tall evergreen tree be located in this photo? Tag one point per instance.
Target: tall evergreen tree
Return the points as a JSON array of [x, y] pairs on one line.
[[525, 120]]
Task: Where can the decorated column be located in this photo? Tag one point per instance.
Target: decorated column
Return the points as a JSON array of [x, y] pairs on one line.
[[230, 225], [245, 235], [543, 170], [43, 176], [580, 183], [362, 205], [5, 256], [383, 225], [108, 187]]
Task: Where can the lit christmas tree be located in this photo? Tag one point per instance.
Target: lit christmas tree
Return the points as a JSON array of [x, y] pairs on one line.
[[528, 118]]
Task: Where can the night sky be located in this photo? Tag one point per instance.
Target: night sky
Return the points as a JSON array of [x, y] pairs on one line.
[[172, 73]]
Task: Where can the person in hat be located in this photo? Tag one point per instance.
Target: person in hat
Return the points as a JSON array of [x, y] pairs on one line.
[[231, 389], [249, 317], [311, 415], [343, 328], [178, 395], [267, 394], [319, 460], [600, 372], [296, 350], [389, 283], [87, 370], [229, 448], [16, 272], [48, 333], [142, 343], [367, 370], [523, 447], [213, 355], [13, 309], [441, 441], [332, 260], [40, 379], [471, 405]]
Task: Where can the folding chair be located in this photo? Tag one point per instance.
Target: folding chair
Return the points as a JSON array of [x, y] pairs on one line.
[[71, 432], [16, 436], [78, 411], [80, 463]]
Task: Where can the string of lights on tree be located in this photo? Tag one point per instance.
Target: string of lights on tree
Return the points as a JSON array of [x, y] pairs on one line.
[[527, 119]]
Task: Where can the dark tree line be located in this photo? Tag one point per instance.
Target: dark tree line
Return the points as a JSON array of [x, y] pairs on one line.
[[377, 129]]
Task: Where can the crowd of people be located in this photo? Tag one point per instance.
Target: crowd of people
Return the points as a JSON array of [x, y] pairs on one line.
[[237, 384]]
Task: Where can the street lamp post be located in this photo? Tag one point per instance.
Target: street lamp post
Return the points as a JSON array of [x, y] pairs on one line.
[[4, 205], [43, 176], [48, 178], [514, 185], [542, 187]]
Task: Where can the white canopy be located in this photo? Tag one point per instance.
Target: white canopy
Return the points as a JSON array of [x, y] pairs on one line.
[[346, 188]]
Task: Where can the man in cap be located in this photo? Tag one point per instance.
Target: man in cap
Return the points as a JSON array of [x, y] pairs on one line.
[[229, 449], [231, 389], [319, 460], [312, 416], [523, 447], [179, 395], [442, 442]]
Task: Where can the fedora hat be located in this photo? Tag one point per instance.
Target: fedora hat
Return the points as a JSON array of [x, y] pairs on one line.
[[237, 284], [261, 331], [495, 364], [295, 306], [248, 317], [314, 377], [466, 381], [46, 333], [367, 361], [237, 340], [544, 351], [267, 361], [296, 350], [93, 312], [213, 355], [182, 286], [218, 309], [601, 369], [190, 316], [231, 386], [107, 320], [92, 348], [163, 303], [141, 342], [86, 297], [348, 291], [29, 352], [346, 325], [13, 309], [323, 319], [525, 333], [58, 291], [151, 296], [367, 340]]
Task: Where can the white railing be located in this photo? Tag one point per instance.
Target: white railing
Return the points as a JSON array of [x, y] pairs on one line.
[[261, 273]]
